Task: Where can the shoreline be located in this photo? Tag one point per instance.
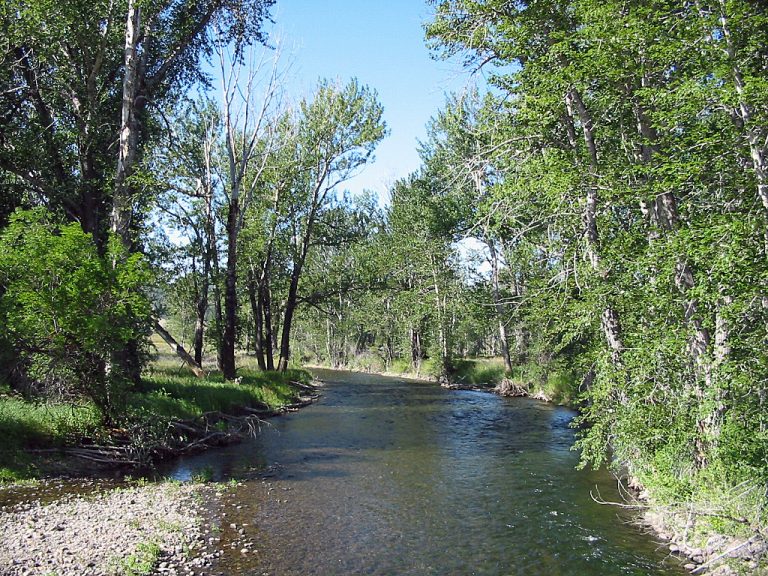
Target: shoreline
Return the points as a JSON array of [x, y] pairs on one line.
[[85, 520], [671, 528], [154, 528], [39, 521]]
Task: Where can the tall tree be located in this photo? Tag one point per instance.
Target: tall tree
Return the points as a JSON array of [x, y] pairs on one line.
[[249, 115], [339, 128]]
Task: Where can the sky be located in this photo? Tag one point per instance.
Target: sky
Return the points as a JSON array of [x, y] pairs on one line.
[[381, 43]]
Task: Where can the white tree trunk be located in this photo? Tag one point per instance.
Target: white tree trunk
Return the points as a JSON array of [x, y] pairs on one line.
[[122, 205]]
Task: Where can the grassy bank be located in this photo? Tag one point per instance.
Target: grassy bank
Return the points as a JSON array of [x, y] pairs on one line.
[[549, 383], [33, 430]]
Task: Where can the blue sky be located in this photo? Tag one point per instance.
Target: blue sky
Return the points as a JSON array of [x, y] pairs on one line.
[[381, 43]]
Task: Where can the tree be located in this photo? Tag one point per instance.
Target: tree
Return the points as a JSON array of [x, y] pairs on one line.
[[186, 168], [66, 309], [85, 76], [250, 135], [338, 130], [627, 137]]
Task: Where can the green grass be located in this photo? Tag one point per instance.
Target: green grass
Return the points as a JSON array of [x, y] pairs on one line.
[[29, 425], [478, 371], [174, 392], [142, 562], [403, 366], [554, 384], [167, 390], [561, 387]]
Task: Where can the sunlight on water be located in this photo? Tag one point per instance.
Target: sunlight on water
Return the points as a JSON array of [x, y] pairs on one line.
[[385, 476]]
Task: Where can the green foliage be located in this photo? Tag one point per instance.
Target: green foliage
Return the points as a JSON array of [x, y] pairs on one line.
[[174, 392], [204, 475], [142, 562], [626, 183], [65, 310]]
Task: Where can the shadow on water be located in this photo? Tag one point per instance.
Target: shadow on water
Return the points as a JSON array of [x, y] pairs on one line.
[[386, 476]]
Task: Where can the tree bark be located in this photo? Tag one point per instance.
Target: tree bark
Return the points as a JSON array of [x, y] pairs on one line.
[[230, 294], [179, 350], [127, 359], [128, 141], [266, 296], [417, 352], [254, 295], [609, 318], [499, 305], [756, 134], [207, 246], [663, 212], [290, 308], [218, 316], [293, 290]]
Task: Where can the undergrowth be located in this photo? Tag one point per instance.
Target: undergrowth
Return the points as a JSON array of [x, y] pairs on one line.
[[167, 391]]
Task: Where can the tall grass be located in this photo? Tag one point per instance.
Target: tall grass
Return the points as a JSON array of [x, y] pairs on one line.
[[478, 371], [28, 425], [174, 392]]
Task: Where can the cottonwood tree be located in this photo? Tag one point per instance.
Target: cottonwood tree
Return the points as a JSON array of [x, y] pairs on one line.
[[630, 182], [187, 169], [82, 84], [338, 130], [251, 100]]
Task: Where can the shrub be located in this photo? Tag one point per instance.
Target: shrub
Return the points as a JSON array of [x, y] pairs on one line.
[[66, 310]]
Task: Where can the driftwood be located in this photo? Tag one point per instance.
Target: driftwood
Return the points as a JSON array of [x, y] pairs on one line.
[[179, 349], [508, 388], [188, 436]]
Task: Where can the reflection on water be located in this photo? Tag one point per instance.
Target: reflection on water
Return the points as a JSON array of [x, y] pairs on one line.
[[385, 476]]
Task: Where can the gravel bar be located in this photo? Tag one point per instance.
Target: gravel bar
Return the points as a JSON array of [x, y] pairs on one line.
[[109, 533]]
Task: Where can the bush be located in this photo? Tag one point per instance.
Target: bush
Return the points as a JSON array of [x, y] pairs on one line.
[[66, 310]]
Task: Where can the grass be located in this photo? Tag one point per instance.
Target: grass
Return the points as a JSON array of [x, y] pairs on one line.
[[167, 389], [478, 371], [174, 392], [403, 367], [142, 562], [28, 425]]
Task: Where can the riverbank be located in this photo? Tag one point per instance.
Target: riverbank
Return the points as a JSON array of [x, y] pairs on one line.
[[171, 413], [165, 528], [721, 535], [483, 374]]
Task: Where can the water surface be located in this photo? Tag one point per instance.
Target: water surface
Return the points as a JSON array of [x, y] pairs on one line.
[[385, 476]]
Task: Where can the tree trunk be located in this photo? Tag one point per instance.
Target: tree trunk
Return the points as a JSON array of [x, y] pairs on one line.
[[127, 359], [208, 245], [663, 212], [499, 305], [290, 308], [416, 351], [293, 290], [218, 316], [230, 294], [609, 317], [329, 342], [179, 350], [269, 344], [756, 134], [128, 141], [254, 295]]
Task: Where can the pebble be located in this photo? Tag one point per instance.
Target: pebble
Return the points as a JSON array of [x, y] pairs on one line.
[[85, 536]]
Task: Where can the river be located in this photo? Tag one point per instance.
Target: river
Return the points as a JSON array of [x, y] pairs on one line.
[[386, 476]]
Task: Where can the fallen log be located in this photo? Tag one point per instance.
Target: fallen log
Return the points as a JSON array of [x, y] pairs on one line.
[[179, 349]]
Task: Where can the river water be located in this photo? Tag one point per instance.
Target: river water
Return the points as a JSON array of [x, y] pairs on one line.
[[386, 476]]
